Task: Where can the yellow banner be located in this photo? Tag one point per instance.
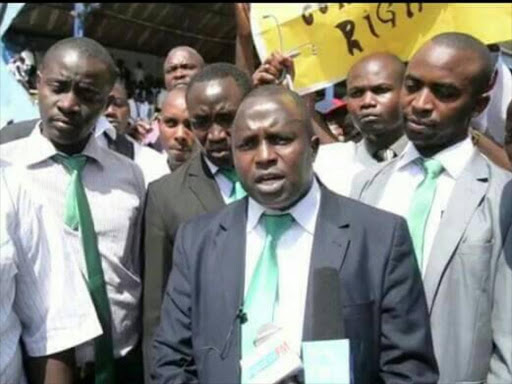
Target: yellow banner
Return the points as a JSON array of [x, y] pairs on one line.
[[328, 38]]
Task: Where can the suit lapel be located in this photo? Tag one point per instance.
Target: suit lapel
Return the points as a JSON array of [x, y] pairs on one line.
[[372, 196], [229, 245], [468, 192], [332, 237], [203, 185]]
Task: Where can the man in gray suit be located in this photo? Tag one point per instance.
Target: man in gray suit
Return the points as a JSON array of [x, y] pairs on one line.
[[198, 186], [458, 206]]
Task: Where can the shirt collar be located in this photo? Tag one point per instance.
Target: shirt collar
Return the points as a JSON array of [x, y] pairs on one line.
[[103, 126], [304, 212], [213, 168], [39, 148], [397, 147], [453, 158]]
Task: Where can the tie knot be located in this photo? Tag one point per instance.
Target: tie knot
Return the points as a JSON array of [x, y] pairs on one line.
[[72, 163], [230, 174], [433, 168], [277, 225]]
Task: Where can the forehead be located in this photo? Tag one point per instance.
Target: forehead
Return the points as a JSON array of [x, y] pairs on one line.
[[372, 72], [181, 56], [72, 64], [441, 64], [269, 112], [213, 92], [119, 91], [174, 101]]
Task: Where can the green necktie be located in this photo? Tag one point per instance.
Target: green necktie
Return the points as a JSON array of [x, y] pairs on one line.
[[78, 216], [262, 292], [421, 204], [237, 191]]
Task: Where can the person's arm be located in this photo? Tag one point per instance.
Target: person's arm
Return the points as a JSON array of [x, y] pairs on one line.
[[271, 70], [407, 352], [500, 366], [490, 149], [172, 347], [157, 265], [244, 57], [56, 368]]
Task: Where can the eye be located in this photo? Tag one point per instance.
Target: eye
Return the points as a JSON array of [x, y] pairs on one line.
[[247, 144], [279, 140], [412, 85], [381, 89], [200, 122], [58, 86], [445, 92], [224, 119], [354, 93], [170, 123]]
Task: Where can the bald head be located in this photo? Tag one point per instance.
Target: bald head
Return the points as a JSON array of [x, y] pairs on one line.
[[180, 65], [84, 48], [379, 61], [461, 42]]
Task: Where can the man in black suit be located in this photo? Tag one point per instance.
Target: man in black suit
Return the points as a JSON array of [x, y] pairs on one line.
[[198, 186], [218, 271]]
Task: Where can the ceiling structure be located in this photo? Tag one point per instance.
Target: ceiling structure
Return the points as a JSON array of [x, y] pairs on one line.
[[152, 28]]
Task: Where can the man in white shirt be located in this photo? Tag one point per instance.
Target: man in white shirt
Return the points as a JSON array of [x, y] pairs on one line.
[[373, 90], [44, 302], [225, 262], [98, 194], [200, 185], [152, 163], [458, 206]]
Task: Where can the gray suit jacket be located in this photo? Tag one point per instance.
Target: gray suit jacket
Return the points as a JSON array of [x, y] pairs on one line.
[[384, 308], [171, 200], [468, 282]]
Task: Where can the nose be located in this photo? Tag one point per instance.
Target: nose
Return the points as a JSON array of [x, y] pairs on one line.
[[68, 103], [368, 100], [421, 103], [217, 134], [181, 135], [110, 111], [265, 156]]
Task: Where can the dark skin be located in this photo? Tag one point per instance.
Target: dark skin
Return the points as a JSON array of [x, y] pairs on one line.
[[175, 130], [73, 91], [273, 151], [373, 99], [118, 110], [212, 106], [180, 65], [56, 368], [438, 97]]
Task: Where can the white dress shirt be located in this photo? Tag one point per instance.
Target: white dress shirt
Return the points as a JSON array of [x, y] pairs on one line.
[[406, 177], [43, 297], [115, 191], [293, 259], [153, 164], [225, 185]]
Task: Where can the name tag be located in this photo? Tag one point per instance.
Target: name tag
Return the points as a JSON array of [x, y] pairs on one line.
[[326, 362]]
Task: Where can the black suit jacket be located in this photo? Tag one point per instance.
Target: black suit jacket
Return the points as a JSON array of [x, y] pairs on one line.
[[23, 129], [384, 306], [171, 200]]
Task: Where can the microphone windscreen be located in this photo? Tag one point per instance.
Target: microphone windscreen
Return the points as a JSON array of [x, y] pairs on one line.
[[327, 305]]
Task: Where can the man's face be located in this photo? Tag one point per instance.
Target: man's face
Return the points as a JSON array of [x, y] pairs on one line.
[[118, 110], [373, 96], [272, 151], [73, 92], [212, 106], [179, 67], [438, 98], [175, 131]]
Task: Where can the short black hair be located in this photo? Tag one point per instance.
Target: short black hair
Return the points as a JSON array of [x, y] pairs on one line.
[[84, 46], [464, 42], [218, 71], [273, 90]]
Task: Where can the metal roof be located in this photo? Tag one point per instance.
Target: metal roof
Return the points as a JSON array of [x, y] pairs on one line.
[[152, 28]]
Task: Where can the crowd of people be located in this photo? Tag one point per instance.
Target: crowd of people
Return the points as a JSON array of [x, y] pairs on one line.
[[145, 245]]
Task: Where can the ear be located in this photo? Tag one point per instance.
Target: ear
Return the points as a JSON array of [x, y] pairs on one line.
[[481, 103], [315, 143], [38, 79]]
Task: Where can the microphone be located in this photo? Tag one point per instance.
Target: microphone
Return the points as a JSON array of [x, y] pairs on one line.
[[327, 322], [272, 361]]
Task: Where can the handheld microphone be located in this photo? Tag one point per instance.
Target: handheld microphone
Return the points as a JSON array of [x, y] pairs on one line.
[[272, 361]]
